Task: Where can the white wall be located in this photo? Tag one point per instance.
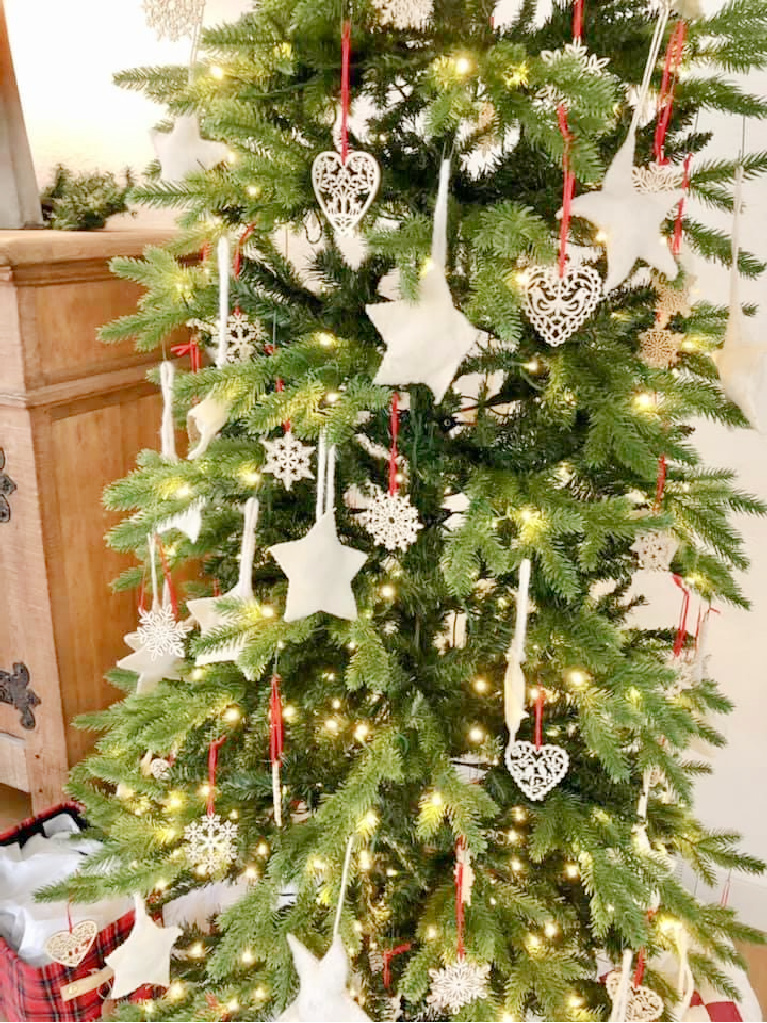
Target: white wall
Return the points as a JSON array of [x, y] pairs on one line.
[[65, 54]]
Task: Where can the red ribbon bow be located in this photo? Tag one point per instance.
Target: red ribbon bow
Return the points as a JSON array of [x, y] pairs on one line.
[[192, 349]]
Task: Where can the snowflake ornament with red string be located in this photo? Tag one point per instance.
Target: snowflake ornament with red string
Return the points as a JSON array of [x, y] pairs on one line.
[[655, 550], [160, 634], [389, 516], [288, 460], [210, 842], [242, 336], [659, 348]]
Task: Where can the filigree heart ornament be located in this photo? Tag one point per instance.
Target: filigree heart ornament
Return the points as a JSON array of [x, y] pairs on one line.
[[644, 1005], [69, 948], [536, 771], [558, 305], [345, 191]]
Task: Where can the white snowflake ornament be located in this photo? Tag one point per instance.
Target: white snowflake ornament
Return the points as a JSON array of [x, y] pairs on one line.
[[174, 19], [287, 459], [391, 520], [656, 550], [405, 13], [242, 335], [457, 985], [590, 63], [161, 634], [658, 177], [211, 844]]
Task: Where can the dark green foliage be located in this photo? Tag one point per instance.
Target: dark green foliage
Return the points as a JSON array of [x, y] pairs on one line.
[[84, 202], [560, 466]]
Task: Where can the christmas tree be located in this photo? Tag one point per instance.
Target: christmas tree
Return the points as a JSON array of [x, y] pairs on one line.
[[388, 693]]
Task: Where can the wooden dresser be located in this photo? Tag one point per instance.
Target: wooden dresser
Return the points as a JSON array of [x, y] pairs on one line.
[[73, 415]]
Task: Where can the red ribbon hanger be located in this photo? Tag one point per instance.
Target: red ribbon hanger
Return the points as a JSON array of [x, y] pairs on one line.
[[569, 188], [393, 452], [540, 700], [672, 63], [640, 968], [168, 577], [192, 349], [681, 632], [388, 955], [276, 723], [578, 21], [346, 50], [661, 484], [212, 769], [460, 912], [676, 246]]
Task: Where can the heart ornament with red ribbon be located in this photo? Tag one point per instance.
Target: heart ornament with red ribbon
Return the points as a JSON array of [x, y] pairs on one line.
[[643, 1004], [536, 770], [69, 948]]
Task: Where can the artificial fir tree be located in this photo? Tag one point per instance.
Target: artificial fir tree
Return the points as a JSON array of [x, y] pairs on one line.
[[425, 536]]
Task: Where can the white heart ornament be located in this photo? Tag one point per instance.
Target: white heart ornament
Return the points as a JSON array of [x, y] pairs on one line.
[[643, 1006], [558, 306], [69, 948], [345, 191], [536, 771]]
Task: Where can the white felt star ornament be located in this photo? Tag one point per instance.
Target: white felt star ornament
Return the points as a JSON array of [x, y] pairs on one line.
[[183, 150], [630, 220], [742, 361], [144, 958], [426, 340], [149, 668], [322, 994], [319, 567]]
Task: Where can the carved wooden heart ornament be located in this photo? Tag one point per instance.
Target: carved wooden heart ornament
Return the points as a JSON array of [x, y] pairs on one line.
[[345, 191], [558, 306], [644, 1005], [536, 771], [69, 948]]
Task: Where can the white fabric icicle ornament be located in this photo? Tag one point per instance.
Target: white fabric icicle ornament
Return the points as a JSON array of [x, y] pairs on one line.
[[207, 611], [742, 361], [426, 340], [514, 680], [190, 520], [207, 418], [319, 567]]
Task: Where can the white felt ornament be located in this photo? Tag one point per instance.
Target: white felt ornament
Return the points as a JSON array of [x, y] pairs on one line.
[[207, 611], [173, 19], [742, 361], [167, 429], [183, 150], [69, 948], [206, 419], [188, 522], [288, 460], [426, 340], [345, 191], [391, 519], [211, 843], [558, 304], [514, 679], [630, 220], [319, 567], [144, 958], [323, 995], [457, 985], [405, 13]]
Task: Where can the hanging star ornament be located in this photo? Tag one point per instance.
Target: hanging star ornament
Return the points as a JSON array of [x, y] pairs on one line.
[[630, 220], [322, 994], [144, 958], [320, 570], [426, 340], [183, 150]]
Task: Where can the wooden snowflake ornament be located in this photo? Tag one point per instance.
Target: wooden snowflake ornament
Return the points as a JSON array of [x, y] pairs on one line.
[[391, 520], [405, 13], [557, 305], [211, 844], [174, 19], [457, 985], [655, 550], [288, 460], [659, 348], [658, 177]]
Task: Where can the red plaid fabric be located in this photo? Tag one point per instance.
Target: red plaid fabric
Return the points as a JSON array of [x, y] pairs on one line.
[[29, 993], [713, 1011]]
